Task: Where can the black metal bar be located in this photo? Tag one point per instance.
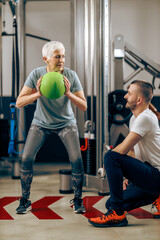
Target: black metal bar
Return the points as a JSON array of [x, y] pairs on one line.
[[4, 34], [34, 36], [12, 7], [20, 142]]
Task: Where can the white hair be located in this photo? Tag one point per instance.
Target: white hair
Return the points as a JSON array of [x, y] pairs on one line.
[[49, 48]]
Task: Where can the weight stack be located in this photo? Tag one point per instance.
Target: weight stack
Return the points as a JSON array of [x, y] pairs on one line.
[[89, 156]]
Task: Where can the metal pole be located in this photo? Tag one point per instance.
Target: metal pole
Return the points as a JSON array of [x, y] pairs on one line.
[[21, 39], [99, 58], [107, 64], [21, 47], [1, 80], [79, 51], [102, 136], [92, 56]]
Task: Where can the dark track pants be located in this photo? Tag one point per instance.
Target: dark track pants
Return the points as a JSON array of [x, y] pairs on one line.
[[144, 181]]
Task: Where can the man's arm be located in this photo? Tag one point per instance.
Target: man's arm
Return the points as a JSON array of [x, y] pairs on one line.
[[128, 143], [131, 153]]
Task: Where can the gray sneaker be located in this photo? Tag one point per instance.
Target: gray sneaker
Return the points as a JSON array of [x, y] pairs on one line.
[[24, 206], [78, 205]]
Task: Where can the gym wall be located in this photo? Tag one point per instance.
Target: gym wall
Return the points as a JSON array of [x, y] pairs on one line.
[[47, 19], [137, 21]]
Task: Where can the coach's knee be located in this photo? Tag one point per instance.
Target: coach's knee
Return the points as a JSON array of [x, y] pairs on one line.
[[111, 158], [108, 157]]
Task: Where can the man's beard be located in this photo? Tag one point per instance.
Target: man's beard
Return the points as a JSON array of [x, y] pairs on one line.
[[131, 106]]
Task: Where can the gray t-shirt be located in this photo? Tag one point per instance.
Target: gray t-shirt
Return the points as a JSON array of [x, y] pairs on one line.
[[58, 113], [148, 148]]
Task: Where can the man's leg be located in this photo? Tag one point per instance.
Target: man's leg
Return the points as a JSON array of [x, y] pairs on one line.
[[35, 140], [142, 175], [70, 138], [134, 197], [139, 173]]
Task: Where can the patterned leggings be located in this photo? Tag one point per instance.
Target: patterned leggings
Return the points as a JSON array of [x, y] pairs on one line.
[[35, 140]]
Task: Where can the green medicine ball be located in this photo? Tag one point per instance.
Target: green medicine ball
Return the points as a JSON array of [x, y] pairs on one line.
[[52, 85]]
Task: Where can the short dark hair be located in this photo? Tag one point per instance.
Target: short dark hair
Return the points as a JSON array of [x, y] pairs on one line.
[[146, 89]]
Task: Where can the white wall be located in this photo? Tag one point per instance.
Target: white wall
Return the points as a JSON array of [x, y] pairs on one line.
[[7, 51], [49, 20], [138, 21]]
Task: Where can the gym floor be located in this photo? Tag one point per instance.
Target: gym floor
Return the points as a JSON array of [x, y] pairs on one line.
[[52, 216]]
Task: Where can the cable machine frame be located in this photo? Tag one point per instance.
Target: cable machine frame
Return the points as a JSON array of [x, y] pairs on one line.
[[100, 66]]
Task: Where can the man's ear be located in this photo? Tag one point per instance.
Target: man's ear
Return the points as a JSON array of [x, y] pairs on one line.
[[140, 99]]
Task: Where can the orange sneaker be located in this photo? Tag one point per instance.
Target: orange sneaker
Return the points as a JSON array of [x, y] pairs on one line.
[[111, 219], [157, 205]]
